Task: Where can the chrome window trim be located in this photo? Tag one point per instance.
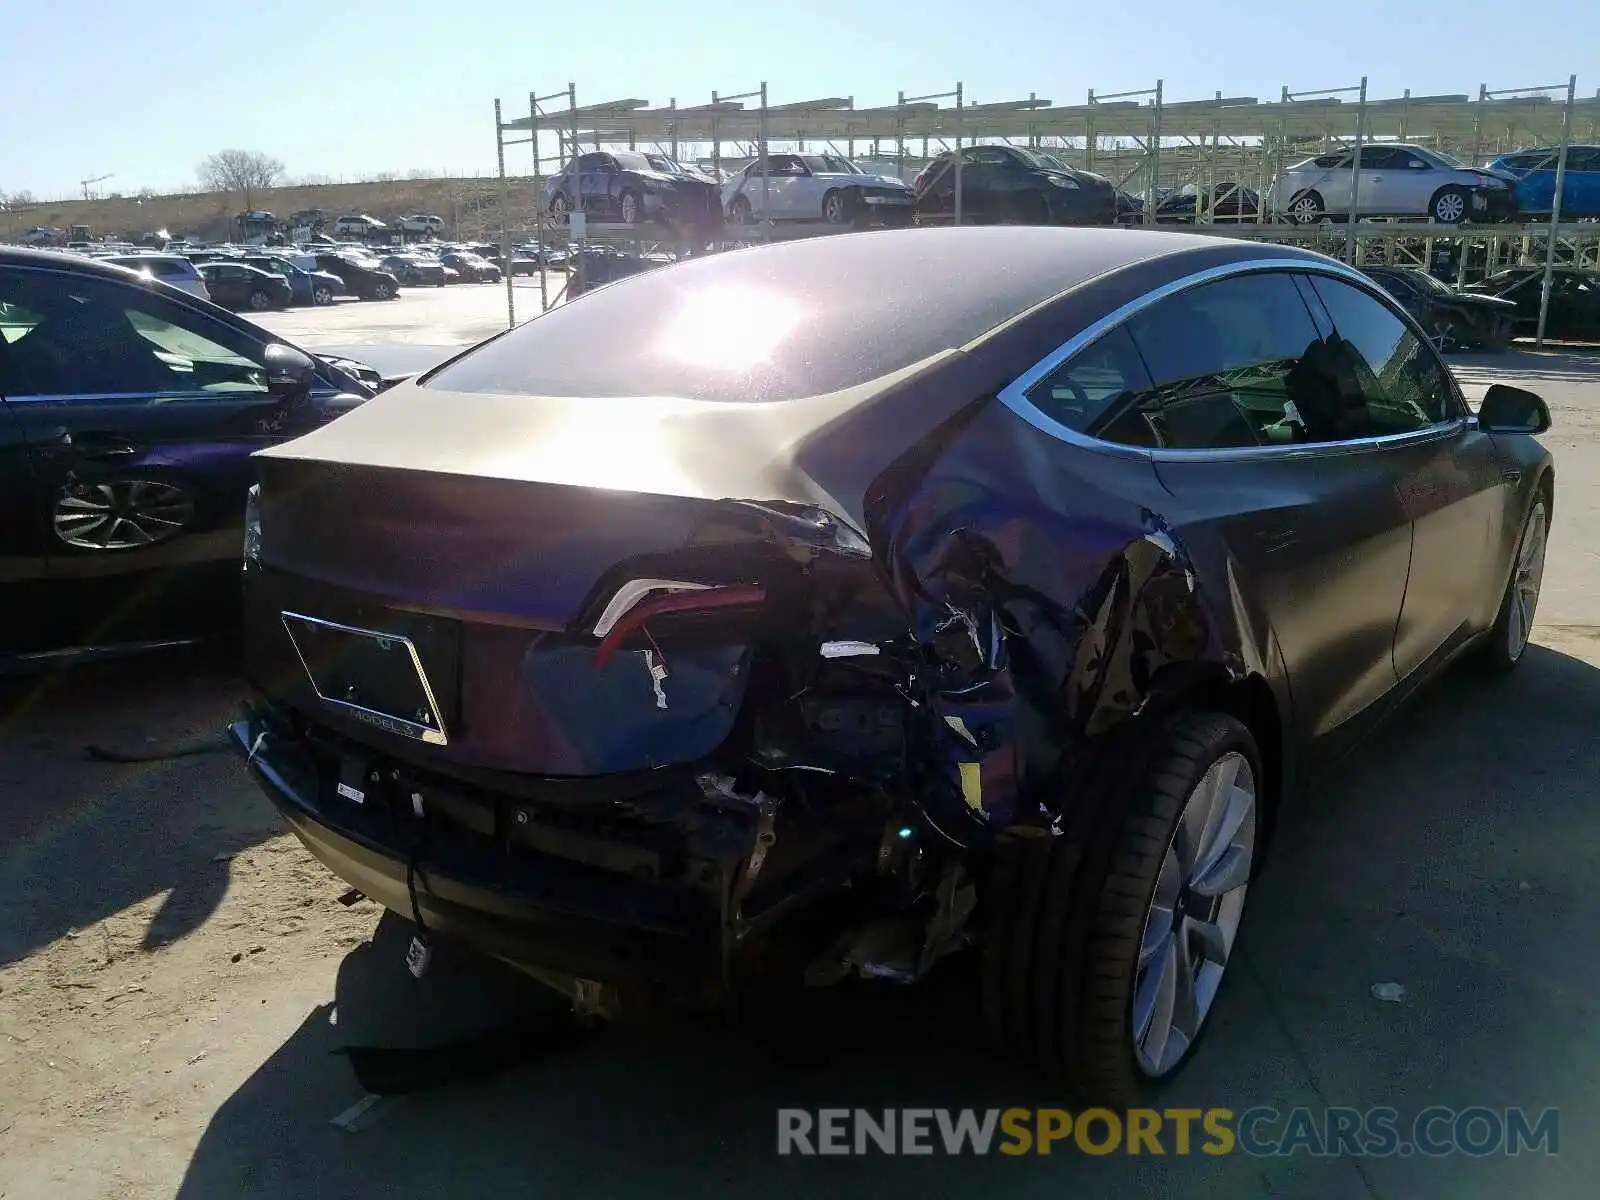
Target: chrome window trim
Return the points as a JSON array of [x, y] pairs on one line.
[[324, 392], [1015, 394]]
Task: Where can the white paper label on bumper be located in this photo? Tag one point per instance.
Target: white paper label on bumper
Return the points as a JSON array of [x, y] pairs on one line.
[[350, 793]]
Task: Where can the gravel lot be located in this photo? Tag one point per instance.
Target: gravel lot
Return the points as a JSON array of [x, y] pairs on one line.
[[174, 971]]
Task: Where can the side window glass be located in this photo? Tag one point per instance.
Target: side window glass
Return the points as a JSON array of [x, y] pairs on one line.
[[1094, 386], [87, 337], [1225, 362], [1389, 380]]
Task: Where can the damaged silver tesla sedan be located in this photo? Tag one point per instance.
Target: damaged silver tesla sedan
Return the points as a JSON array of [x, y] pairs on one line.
[[825, 608]]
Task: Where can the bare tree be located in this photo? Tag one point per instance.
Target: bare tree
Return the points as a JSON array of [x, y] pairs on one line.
[[242, 171]]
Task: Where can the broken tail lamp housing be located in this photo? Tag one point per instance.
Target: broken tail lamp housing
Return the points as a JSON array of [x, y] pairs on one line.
[[252, 527], [639, 601]]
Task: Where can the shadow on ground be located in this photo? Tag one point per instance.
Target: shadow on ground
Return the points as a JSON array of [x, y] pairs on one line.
[[82, 839], [1454, 856]]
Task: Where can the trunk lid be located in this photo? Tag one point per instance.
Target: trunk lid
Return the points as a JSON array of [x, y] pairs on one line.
[[543, 617]]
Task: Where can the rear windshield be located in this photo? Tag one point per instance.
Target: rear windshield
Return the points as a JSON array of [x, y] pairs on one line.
[[773, 323]]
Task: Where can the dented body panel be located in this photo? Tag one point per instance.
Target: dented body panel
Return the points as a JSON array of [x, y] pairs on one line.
[[791, 644]]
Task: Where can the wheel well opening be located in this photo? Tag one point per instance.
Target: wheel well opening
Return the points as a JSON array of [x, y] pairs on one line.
[[1251, 701]]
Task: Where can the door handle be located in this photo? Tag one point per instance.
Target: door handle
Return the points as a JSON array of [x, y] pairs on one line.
[[97, 445]]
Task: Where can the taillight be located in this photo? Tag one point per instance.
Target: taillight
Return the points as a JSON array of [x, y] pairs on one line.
[[639, 601]]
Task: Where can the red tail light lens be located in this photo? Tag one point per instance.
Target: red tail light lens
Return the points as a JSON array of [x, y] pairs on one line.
[[660, 604]]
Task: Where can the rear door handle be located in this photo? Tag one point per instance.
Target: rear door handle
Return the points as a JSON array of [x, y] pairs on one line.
[[97, 445]]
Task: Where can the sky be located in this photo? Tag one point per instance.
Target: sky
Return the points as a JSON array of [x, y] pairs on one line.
[[349, 88]]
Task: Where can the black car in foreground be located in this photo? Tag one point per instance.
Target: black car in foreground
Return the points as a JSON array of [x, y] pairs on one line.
[[369, 282], [237, 286], [915, 619], [1573, 314], [128, 414], [1013, 185], [1456, 320]]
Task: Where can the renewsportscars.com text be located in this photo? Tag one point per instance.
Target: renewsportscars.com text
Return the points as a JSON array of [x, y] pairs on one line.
[[1259, 1132]]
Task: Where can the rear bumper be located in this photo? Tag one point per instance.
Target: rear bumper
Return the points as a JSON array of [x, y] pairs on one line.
[[478, 881]]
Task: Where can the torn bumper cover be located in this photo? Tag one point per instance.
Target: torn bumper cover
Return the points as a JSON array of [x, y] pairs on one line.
[[664, 900]]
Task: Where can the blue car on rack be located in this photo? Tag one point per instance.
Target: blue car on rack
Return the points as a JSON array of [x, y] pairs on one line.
[[1536, 174]]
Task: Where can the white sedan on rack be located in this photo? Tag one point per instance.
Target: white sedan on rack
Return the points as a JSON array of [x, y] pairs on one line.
[[1395, 181], [816, 187]]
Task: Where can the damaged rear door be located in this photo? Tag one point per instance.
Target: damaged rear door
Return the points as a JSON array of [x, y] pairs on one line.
[[1246, 415]]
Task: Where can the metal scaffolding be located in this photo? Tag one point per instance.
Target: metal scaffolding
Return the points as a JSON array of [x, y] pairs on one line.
[[1142, 140]]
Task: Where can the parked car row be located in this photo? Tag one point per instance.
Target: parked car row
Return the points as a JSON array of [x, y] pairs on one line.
[[1014, 184], [129, 409]]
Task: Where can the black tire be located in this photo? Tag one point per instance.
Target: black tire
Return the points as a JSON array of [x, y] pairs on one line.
[[1307, 208], [259, 301], [1450, 205], [739, 211], [836, 207], [559, 210], [322, 295], [1501, 653], [384, 291], [626, 195], [1067, 912]]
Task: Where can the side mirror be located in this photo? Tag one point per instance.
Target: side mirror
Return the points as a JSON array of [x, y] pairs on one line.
[[1508, 409], [291, 374]]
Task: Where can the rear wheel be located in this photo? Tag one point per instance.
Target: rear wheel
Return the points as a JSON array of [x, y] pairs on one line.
[[628, 208], [1307, 209], [558, 209], [259, 301], [322, 295], [1514, 624], [1110, 943]]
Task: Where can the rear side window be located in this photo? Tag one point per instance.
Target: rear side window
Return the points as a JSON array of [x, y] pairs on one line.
[[170, 268], [1223, 359], [1401, 383], [1093, 384]]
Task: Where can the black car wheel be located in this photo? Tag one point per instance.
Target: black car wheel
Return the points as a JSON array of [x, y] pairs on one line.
[[1108, 944], [259, 301], [836, 208], [1513, 625], [1450, 205], [384, 290], [739, 211], [123, 514], [558, 208], [322, 295], [628, 207]]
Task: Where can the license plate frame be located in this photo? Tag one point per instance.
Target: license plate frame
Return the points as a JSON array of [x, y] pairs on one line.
[[426, 722]]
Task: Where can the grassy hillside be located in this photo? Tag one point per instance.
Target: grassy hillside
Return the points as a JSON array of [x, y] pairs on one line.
[[470, 208]]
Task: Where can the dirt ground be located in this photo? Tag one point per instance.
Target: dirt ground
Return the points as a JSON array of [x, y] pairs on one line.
[[175, 972]]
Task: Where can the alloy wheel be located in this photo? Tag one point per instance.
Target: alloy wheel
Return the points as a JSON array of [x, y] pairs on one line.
[[1305, 210], [1526, 580], [833, 209], [630, 208], [322, 296], [1194, 914], [1450, 208], [122, 515]]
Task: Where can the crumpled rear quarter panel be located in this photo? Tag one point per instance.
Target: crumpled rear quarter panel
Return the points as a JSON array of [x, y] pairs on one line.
[[1097, 597]]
